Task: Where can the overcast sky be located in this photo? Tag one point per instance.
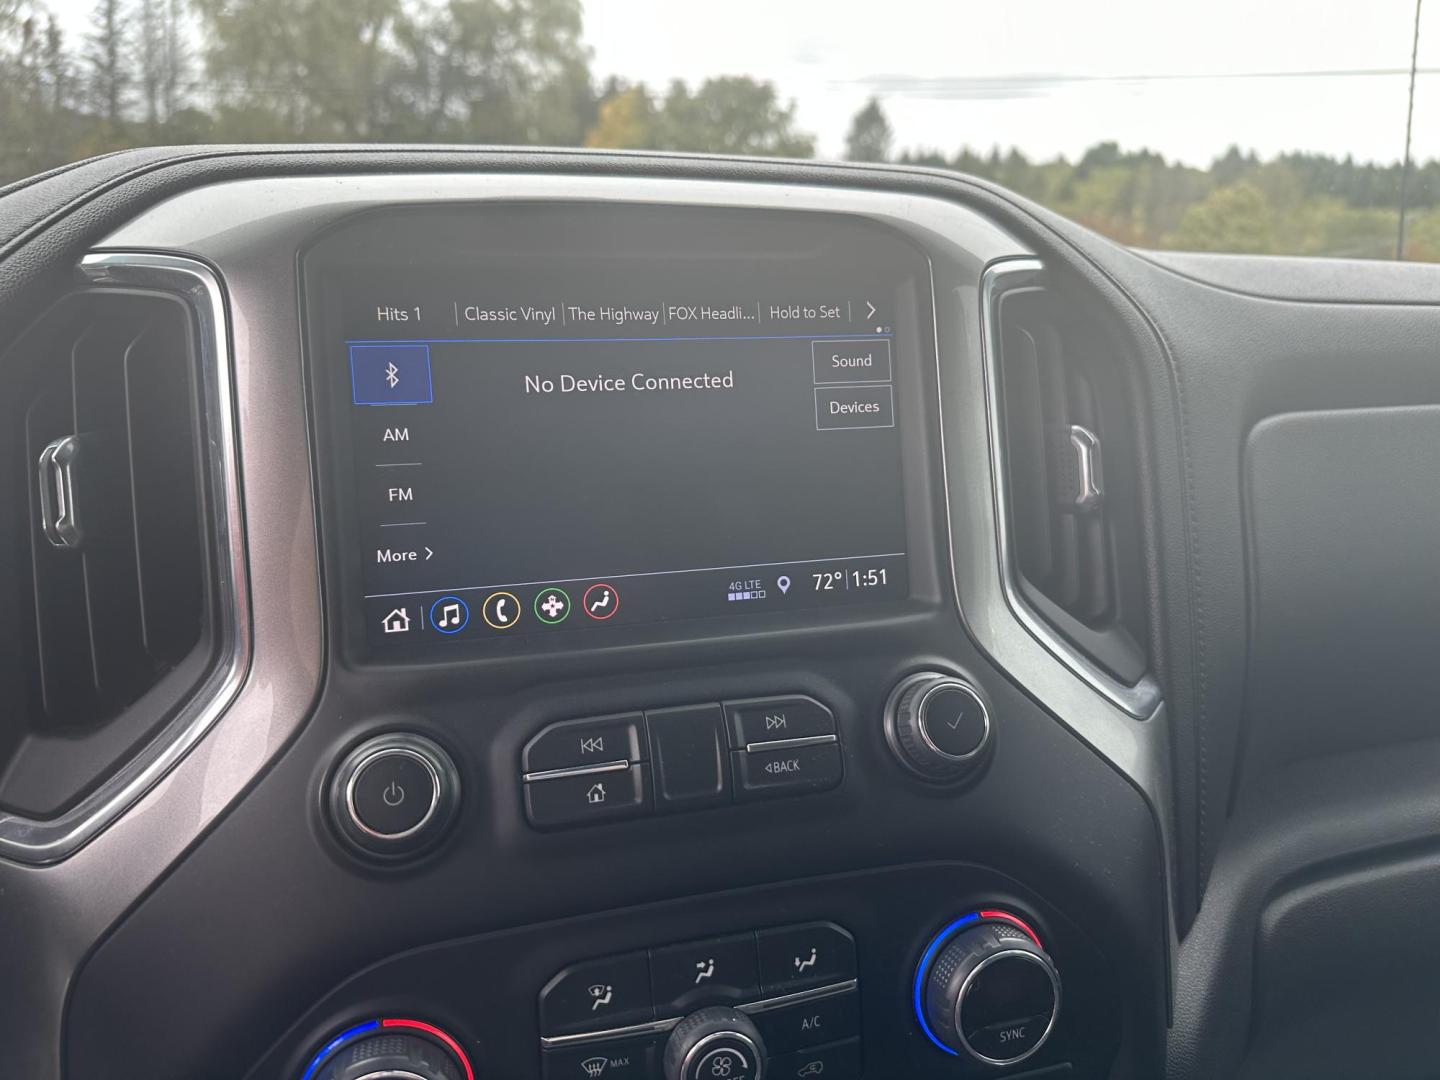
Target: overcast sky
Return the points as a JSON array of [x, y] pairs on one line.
[[1056, 76], [1182, 77]]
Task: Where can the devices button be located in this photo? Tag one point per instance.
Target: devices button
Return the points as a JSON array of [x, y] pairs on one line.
[[576, 744], [792, 770], [838, 1061], [801, 957], [762, 720], [625, 1059], [718, 971], [589, 798], [688, 751], [596, 995], [810, 1023]]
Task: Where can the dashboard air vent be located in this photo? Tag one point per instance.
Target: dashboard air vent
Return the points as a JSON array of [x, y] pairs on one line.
[[1071, 479], [105, 556]]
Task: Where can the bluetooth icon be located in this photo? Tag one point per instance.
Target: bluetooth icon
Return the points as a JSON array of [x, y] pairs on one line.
[[388, 373]]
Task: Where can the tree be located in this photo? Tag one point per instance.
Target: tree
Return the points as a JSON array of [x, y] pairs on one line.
[[1236, 217], [626, 120], [109, 73], [870, 134], [727, 115], [160, 60], [503, 71]]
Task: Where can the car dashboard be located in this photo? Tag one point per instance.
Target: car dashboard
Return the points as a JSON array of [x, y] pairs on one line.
[[647, 618]]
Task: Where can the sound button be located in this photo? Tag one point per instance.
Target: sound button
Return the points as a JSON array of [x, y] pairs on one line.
[[501, 610]]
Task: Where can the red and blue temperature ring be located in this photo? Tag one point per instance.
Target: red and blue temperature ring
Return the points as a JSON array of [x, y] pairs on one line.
[[922, 970], [359, 1031]]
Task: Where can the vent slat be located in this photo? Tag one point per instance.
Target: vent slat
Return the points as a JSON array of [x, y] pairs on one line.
[[112, 597], [159, 386]]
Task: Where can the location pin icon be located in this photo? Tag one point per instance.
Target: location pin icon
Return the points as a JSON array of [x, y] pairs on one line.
[[783, 584]]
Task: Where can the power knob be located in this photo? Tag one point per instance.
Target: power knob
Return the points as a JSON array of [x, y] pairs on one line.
[[394, 797], [938, 726]]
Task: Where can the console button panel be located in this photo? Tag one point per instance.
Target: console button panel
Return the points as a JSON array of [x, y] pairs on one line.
[[690, 757]]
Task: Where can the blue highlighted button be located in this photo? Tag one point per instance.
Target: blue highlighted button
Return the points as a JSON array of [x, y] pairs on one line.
[[391, 374], [449, 615]]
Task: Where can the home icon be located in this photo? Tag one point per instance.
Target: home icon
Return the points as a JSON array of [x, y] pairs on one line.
[[596, 795], [397, 622]]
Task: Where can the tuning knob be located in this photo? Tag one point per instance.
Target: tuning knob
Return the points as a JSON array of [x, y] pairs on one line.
[[991, 992], [715, 1042], [382, 1057], [937, 725]]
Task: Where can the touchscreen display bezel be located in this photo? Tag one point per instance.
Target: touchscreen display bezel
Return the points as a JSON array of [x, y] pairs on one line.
[[427, 237]]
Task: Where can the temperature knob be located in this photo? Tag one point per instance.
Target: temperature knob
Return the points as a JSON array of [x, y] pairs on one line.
[[988, 990], [938, 726]]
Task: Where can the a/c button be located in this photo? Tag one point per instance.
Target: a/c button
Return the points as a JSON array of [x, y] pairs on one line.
[[393, 793]]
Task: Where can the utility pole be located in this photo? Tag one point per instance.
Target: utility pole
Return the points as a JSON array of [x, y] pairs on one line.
[[1409, 121]]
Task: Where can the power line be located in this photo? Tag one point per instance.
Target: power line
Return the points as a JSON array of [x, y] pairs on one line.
[[1409, 124], [949, 84]]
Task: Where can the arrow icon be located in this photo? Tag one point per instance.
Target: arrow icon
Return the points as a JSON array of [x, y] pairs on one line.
[[871, 313], [429, 554]]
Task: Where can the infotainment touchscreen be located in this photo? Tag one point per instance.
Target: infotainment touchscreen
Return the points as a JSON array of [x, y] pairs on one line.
[[610, 437]]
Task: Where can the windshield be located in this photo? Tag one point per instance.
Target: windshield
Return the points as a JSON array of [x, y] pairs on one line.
[[1307, 127]]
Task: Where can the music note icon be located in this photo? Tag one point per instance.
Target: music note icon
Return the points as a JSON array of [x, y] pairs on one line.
[[449, 615]]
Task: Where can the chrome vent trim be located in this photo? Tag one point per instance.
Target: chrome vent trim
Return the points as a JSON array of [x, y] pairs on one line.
[[1140, 700], [44, 842]]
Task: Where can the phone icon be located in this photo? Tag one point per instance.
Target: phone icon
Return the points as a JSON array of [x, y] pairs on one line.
[[501, 610]]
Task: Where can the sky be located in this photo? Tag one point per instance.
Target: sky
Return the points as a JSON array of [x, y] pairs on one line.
[[1056, 76], [1181, 77]]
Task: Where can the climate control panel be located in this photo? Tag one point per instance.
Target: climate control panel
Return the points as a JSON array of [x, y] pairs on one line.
[[770, 1002]]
